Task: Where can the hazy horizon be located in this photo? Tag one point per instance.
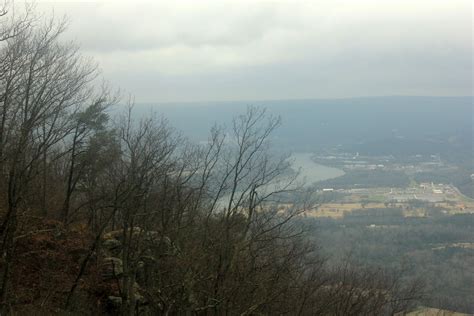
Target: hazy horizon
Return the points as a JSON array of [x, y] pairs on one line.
[[214, 101]]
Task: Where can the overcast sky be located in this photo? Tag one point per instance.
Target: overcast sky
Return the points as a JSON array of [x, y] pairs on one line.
[[202, 50]]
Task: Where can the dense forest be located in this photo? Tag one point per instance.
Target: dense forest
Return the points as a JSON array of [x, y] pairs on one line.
[[436, 249], [110, 214]]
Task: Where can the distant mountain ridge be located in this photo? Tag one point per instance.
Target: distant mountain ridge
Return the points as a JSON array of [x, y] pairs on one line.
[[311, 124]]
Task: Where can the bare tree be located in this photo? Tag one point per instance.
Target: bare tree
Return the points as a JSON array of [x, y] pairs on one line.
[[44, 82], [202, 228], [86, 124]]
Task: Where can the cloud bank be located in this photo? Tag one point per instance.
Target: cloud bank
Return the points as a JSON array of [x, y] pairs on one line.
[[234, 50]]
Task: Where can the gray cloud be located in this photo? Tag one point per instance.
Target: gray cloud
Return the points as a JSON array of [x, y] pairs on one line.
[[145, 25], [210, 50]]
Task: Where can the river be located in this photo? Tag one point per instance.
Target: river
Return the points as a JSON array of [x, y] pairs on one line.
[[311, 171]]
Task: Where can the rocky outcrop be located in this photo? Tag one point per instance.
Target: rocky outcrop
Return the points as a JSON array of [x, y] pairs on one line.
[[114, 303], [112, 269], [112, 246]]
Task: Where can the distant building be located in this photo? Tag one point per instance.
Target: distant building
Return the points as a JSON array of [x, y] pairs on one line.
[[328, 190]]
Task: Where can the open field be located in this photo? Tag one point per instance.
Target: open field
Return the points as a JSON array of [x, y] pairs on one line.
[[337, 210], [448, 203]]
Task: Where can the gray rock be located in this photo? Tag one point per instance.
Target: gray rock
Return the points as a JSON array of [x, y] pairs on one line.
[[111, 244], [114, 302], [118, 234], [111, 268], [139, 298]]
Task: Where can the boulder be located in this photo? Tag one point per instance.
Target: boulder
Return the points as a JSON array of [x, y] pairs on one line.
[[139, 298], [110, 244], [114, 303], [112, 247], [118, 234], [115, 234], [111, 268]]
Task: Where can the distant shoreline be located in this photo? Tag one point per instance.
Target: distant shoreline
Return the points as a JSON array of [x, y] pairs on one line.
[[311, 171]]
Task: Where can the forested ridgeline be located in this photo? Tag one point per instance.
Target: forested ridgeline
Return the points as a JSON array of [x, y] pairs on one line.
[[112, 214]]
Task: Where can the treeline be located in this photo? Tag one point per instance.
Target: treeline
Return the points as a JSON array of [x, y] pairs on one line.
[[366, 179], [164, 226]]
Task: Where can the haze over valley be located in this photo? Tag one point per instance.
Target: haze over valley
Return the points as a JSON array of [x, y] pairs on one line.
[[240, 157]]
